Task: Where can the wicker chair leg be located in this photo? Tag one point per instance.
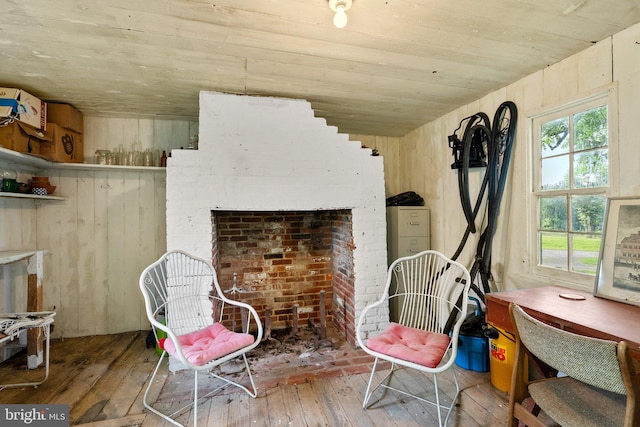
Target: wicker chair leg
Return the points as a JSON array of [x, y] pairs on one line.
[[146, 393]]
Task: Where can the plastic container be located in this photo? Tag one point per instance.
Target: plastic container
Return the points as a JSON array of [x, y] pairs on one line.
[[473, 345], [473, 353], [502, 358]]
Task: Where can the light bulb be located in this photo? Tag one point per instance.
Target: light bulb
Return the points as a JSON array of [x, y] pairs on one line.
[[340, 20]]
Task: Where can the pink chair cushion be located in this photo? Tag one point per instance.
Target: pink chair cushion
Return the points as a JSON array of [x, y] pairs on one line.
[[204, 345], [411, 344]]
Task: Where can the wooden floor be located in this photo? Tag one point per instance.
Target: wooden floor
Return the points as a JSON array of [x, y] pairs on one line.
[[102, 378]]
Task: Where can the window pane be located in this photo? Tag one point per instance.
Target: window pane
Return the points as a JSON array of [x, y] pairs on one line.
[[584, 257], [591, 129], [571, 181], [555, 173], [554, 137], [553, 213], [587, 213], [591, 169], [554, 250]]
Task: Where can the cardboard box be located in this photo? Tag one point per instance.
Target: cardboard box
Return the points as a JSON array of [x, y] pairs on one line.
[[66, 116], [64, 146], [22, 106], [21, 137]]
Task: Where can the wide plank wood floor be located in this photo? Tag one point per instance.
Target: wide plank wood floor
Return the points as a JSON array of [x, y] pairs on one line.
[[103, 379]]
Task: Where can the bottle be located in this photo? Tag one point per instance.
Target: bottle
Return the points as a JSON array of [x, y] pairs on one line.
[[193, 142], [163, 159]]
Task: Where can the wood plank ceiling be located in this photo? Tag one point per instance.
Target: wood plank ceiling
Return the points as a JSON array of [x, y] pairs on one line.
[[396, 65]]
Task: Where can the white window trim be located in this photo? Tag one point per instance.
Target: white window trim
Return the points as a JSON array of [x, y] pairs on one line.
[[608, 93]]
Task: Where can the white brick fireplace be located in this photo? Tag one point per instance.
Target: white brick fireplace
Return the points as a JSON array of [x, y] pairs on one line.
[[272, 154]]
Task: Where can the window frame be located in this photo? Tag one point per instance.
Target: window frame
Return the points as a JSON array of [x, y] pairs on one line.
[[607, 95]]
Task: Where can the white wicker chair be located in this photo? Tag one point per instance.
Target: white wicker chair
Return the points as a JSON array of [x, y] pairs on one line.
[[185, 304], [429, 293]]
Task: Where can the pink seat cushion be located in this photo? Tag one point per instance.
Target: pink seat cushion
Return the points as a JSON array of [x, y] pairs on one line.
[[411, 344], [204, 345]]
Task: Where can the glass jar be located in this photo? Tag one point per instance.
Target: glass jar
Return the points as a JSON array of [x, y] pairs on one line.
[[8, 180], [147, 157], [102, 156]]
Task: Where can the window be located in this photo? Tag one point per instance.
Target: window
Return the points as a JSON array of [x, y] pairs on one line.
[[571, 182]]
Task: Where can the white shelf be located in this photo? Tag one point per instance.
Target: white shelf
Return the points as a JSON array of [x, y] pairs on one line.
[[30, 196], [92, 166], [22, 159], [27, 160]]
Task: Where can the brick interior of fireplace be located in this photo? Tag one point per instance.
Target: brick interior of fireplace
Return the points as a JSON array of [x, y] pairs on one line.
[[280, 259]]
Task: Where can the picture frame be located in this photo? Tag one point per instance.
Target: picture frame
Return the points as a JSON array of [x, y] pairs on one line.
[[618, 271]]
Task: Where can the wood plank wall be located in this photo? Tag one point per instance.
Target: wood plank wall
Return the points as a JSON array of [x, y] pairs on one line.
[[111, 226]]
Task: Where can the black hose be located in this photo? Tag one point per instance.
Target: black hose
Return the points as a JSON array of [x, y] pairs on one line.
[[502, 144], [477, 132], [463, 178], [499, 138]]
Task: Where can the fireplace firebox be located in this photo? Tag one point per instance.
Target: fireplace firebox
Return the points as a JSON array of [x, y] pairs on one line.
[[281, 259]]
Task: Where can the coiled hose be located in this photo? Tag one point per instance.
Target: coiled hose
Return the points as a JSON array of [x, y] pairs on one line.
[[499, 138]]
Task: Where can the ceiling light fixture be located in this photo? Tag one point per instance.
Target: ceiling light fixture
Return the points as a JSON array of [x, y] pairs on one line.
[[340, 7]]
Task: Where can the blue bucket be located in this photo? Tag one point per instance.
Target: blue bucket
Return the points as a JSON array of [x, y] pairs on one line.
[[473, 347]]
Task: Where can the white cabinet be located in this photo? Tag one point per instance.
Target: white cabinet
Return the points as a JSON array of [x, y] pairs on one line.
[[408, 231]]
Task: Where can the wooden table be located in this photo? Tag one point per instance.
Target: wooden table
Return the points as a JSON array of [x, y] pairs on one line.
[[591, 316], [34, 258]]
